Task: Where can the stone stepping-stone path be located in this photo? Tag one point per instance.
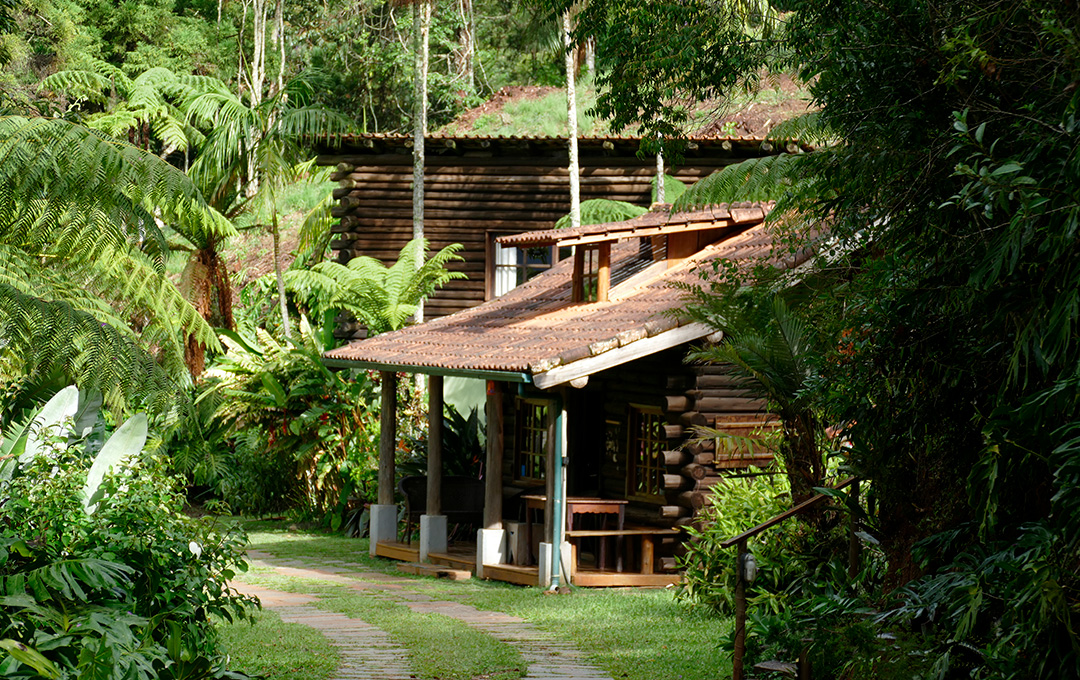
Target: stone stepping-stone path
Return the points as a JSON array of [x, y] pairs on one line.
[[368, 653]]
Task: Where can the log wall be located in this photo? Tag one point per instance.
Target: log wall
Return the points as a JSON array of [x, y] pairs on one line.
[[473, 192]]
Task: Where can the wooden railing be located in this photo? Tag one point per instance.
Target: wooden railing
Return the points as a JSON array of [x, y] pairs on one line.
[[740, 578]]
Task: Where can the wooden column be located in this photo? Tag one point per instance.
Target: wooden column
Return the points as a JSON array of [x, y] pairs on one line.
[[387, 437], [577, 293], [493, 471], [549, 474], [603, 272], [434, 445]]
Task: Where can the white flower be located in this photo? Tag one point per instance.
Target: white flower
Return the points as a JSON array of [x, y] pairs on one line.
[[195, 549]]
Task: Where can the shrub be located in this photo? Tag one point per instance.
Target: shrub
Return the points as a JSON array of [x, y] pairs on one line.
[[102, 575]]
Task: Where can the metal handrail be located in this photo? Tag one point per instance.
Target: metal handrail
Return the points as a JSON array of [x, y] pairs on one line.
[[740, 579], [750, 533]]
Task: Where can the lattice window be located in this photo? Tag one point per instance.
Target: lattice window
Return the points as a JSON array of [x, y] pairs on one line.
[[532, 439], [646, 444], [512, 267]]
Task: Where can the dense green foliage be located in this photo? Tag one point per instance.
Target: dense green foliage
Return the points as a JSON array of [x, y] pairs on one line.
[[82, 277], [946, 290], [362, 51], [101, 575]]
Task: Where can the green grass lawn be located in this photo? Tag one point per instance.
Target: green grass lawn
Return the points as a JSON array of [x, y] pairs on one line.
[[275, 650], [636, 634]]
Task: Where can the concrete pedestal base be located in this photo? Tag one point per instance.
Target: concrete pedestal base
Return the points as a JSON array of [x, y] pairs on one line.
[[544, 564], [490, 549], [382, 526], [432, 535]]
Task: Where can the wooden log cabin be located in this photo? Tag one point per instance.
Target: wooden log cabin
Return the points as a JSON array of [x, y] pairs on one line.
[[480, 188], [590, 404]]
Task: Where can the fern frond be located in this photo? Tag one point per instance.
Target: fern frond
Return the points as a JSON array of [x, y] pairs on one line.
[[43, 337], [756, 179], [673, 189], [807, 128], [602, 211]]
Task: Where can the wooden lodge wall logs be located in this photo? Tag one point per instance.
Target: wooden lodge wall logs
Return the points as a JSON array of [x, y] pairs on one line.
[[707, 395], [477, 188]]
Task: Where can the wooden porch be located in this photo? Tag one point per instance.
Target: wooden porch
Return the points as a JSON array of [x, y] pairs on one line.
[[462, 556]]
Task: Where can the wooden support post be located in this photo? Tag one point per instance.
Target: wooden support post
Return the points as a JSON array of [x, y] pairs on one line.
[[387, 437], [493, 471], [740, 614], [648, 553], [434, 446], [603, 272], [549, 475], [577, 293]]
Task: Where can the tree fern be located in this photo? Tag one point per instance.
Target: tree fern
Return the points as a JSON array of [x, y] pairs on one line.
[[40, 337], [381, 297], [83, 256]]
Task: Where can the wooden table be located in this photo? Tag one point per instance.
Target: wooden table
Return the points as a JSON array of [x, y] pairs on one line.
[[579, 505]]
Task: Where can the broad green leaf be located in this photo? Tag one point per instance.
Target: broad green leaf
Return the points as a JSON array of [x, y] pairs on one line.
[[128, 439], [64, 404], [32, 658]]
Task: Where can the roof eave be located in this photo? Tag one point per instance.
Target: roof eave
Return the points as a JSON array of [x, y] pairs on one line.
[[481, 374], [616, 357]]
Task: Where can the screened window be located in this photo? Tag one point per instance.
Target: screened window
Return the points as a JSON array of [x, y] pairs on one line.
[[646, 444], [532, 439]]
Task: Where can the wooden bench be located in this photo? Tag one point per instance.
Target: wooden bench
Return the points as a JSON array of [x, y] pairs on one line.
[[648, 541]]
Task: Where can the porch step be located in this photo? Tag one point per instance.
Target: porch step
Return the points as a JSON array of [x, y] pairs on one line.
[[610, 579], [436, 570], [512, 573], [456, 561]]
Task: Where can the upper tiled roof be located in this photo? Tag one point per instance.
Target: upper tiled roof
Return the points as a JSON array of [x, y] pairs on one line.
[[656, 221], [620, 145], [535, 328]]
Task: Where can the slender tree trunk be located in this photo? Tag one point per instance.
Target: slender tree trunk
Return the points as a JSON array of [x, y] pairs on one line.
[[467, 45], [660, 198], [282, 302], [258, 54], [279, 40], [571, 121], [421, 33]]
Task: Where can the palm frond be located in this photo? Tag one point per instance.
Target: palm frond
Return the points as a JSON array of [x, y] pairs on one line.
[[316, 231]]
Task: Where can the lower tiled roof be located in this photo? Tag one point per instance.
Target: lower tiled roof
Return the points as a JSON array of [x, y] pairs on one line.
[[535, 328]]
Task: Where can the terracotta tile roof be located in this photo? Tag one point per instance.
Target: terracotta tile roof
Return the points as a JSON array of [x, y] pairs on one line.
[[408, 137], [332, 144], [657, 221], [535, 328]]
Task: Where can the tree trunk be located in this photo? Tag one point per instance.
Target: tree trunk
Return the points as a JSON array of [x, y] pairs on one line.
[[467, 46], [421, 33], [258, 52], [279, 40], [282, 301], [571, 121]]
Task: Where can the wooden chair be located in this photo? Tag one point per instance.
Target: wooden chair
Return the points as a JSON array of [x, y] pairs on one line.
[[463, 500]]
